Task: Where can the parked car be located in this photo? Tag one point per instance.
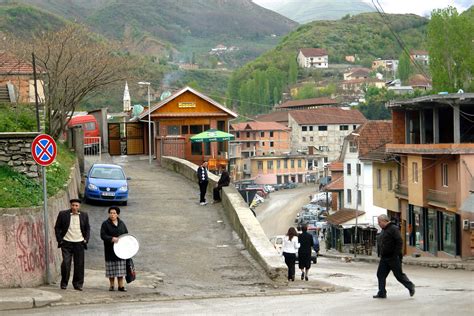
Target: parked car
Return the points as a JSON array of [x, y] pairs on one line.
[[91, 129], [106, 182], [269, 188], [290, 185], [278, 186]]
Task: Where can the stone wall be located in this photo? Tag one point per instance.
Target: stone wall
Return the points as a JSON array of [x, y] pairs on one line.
[[15, 151], [241, 219], [22, 239]]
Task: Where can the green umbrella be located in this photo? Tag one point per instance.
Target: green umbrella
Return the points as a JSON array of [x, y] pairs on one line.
[[212, 135]]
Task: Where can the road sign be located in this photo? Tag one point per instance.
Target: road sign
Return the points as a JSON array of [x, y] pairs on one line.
[[43, 149]]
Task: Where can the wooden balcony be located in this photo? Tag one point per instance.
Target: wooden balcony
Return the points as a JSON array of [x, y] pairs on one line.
[[441, 198]]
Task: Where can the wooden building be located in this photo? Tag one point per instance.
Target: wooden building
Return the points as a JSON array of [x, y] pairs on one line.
[[182, 115]]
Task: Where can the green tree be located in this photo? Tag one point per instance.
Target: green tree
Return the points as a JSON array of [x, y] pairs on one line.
[[307, 91], [292, 71], [404, 68], [450, 47], [374, 107]]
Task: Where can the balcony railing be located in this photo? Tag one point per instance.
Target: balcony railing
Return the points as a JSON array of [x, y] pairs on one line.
[[401, 190], [442, 197]]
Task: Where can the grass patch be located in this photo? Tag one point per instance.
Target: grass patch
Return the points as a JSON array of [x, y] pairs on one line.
[[19, 118], [17, 190]]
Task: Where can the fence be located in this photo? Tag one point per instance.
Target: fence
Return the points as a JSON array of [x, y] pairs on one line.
[[92, 148]]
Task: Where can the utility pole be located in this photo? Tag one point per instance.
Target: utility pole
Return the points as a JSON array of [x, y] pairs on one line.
[[356, 211], [36, 92]]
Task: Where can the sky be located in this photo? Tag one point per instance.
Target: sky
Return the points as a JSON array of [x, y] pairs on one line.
[[420, 7]]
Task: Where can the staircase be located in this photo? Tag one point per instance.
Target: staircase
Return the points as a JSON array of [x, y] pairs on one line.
[[4, 96]]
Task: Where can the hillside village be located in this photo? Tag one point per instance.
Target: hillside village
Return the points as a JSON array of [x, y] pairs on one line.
[[373, 131]]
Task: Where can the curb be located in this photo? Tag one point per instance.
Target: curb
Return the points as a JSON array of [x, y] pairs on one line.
[[23, 298]]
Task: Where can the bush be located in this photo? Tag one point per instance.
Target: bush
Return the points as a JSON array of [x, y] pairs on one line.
[[17, 118]]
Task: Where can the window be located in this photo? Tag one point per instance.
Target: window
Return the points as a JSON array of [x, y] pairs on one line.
[[352, 147], [285, 164], [379, 179], [304, 128], [271, 133], [417, 225], [354, 127], [444, 174], [263, 144], [173, 130], [207, 149], [359, 197], [185, 129], [390, 180], [304, 139], [260, 165], [359, 169], [322, 128], [300, 163], [206, 127], [89, 126], [248, 134], [349, 196], [323, 148], [348, 169], [262, 134], [402, 171], [271, 144], [343, 127], [195, 129], [248, 145], [448, 233], [221, 126], [311, 139], [415, 172], [292, 163], [237, 134], [326, 159], [310, 128], [278, 164], [196, 148], [270, 165]]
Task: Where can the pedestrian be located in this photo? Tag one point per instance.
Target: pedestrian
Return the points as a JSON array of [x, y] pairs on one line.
[[290, 247], [203, 181], [224, 181], [115, 267], [304, 251], [72, 231], [390, 253]]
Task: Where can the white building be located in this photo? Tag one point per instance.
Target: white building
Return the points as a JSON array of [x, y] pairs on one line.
[[313, 58], [358, 173], [323, 128]]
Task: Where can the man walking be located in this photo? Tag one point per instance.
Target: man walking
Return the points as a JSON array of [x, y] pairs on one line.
[[390, 257], [72, 234], [203, 181]]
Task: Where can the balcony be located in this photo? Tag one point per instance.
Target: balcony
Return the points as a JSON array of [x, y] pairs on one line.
[[401, 190], [441, 198], [431, 149]]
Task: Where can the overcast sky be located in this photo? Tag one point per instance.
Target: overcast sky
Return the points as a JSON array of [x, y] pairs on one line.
[[403, 6]]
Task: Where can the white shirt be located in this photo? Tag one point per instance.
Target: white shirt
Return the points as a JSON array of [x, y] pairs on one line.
[[74, 233], [290, 246]]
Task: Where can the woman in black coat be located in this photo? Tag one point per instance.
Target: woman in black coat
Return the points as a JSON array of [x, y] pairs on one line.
[[115, 267], [224, 181]]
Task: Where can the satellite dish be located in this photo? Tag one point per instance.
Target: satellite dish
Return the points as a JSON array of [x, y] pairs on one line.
[[165, 95]]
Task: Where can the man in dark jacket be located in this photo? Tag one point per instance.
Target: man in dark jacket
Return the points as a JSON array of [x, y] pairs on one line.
[[203, 180], [224, 181], [72, 234], [390, 246], [304, 251]]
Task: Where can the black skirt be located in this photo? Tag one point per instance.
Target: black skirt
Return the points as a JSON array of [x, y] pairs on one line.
[[304, 260]]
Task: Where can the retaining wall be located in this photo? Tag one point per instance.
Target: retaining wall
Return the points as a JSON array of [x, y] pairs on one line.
[[15, 151], [22, 239], [241, 218]]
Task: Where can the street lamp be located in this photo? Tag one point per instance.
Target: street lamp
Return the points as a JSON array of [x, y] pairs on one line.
[[147, 84]]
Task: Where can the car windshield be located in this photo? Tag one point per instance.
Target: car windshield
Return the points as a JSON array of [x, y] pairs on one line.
[[107, 173]]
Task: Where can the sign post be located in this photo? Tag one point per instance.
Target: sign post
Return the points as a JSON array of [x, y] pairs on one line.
[[43, 151]]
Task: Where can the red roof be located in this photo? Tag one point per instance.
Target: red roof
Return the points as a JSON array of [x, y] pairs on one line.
[[259, 126], [362, 80], [308, 102], [360, 72], [328, 115], [310, 52], [419, 80], [342, 216], [335, 185], [418, 52], [373, 134], [279, 116], [336, 166], [10, 65]]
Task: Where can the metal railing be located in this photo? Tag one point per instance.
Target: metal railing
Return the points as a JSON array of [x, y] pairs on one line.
[[93, 148], [401, 189], [442, 197]]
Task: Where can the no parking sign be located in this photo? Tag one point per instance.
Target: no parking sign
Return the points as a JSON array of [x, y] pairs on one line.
[[43, 150]]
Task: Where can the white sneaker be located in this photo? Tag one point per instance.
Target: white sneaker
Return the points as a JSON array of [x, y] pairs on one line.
[[204, 203]]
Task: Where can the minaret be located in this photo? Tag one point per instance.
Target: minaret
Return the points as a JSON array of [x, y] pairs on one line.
[[127, 103]]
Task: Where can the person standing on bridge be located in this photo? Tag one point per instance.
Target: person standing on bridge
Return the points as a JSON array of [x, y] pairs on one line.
[[203, 180], [115, 267], [224, 181], [72, 231], [290, 247], [390, 254]]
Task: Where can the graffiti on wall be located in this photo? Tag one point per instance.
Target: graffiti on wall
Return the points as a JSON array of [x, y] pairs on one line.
[[30, 240]]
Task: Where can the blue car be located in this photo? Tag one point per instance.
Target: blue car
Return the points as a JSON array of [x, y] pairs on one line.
[[106, 182]]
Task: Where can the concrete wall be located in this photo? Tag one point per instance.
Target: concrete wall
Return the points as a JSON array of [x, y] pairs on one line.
[[385, 197], [22, 239], [241, 218], [15, 151]]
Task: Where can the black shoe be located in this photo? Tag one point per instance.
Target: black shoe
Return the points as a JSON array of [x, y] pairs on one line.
[[306, 278], [111, 288], [78, 289], [380, 296], [63, 287], [122, 289], [302, 276], [412, 290]]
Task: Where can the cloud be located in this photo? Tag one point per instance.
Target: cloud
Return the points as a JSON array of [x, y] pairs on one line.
[[420, 7]]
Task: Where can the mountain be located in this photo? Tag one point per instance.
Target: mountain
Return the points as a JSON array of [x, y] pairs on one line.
[[304, 11], [188, 25], [365, 35]]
